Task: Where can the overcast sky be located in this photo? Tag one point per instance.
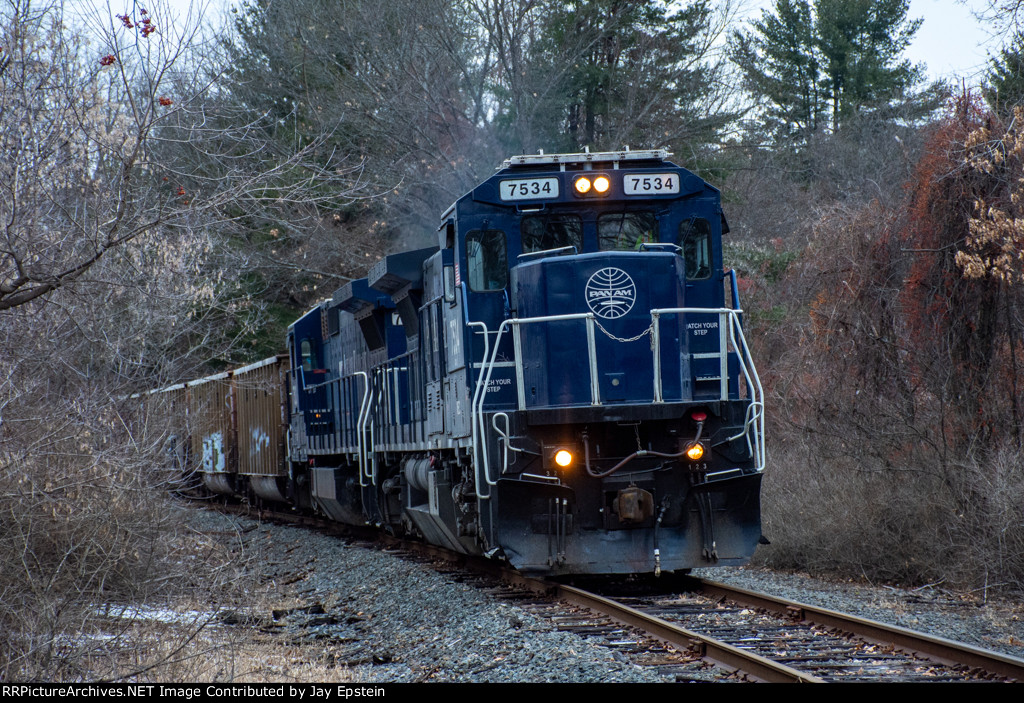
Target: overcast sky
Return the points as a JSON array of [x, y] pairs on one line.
[[952, 41]]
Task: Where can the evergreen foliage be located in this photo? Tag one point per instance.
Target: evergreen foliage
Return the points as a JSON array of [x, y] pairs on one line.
[[823, 64], [634, 73], [780, 63], [465, 83], [1005, 86]]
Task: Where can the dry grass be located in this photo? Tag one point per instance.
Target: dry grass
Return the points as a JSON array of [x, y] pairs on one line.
[[204, 615], [219, 630], [910, 523]]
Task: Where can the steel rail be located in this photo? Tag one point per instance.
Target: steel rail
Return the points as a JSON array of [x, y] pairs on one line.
[[936, 649], [710, 649]]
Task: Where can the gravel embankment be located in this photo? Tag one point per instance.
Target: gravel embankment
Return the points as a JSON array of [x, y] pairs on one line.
[[378, 618], [357, 614]]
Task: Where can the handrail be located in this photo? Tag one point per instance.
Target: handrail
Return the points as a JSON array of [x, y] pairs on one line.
[[661, 245], [479, 430], [484, 379], [516, 322], [730, 334], [329, 381], [722, 313], [364, 407], [734, 289], [753, 426], [755, 411], [542, 252], [504, 439]]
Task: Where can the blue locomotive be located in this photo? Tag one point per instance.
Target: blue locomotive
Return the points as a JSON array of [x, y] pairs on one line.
[[560, 382]]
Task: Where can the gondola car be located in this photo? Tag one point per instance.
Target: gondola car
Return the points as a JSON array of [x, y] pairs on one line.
[[560, 382]]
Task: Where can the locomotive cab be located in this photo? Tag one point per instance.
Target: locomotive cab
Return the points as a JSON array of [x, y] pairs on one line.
[[594, 302]]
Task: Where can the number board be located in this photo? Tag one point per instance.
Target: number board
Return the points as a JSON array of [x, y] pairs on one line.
[[529, 188], [651, 183]]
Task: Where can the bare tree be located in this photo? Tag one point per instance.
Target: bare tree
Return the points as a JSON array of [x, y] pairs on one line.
[[115, 276], [896, 370], [1005, 15], [88, 128]]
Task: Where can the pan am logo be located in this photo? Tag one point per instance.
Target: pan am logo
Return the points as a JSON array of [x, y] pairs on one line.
[[610, 293]]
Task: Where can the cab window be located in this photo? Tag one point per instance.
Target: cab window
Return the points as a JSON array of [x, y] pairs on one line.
[[626, 231], [543, 232], [308, 355], [695, 241], [487, 259]]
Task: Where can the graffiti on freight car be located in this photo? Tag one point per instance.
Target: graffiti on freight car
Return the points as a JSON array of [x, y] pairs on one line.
[[258, 441], [213, 453]]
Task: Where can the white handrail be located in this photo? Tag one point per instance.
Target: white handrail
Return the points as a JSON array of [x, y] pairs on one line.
[[364, 407], [504, 439], [477, 424], [483, 380], [753, 427], [755, 411]]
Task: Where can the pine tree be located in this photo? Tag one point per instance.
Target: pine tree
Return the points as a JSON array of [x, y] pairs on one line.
[[861, 42], [636, 73], [780, 63], [1005, 85], [823, 64]]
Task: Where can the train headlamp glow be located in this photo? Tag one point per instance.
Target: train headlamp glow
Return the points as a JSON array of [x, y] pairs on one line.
[[602, 184], [695, 452], [582, 185], [563, 458]]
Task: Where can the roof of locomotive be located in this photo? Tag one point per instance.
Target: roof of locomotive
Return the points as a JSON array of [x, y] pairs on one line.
[[541, 166], [586, 157], [552, 174]]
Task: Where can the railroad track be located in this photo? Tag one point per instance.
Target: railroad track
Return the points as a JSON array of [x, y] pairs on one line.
[[775, 640], [750, 635], [754, 635], [763, 637]]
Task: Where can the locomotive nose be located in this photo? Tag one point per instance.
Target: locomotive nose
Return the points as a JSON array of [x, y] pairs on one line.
[[617, 290]]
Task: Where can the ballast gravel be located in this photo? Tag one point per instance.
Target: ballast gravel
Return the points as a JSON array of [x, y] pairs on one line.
[[376, 617], [386, 619]]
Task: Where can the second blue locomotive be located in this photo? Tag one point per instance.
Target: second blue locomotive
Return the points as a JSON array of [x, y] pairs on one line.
[[560, 382]]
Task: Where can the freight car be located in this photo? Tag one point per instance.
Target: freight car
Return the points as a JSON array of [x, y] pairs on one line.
[[559, 383], [226, 433]]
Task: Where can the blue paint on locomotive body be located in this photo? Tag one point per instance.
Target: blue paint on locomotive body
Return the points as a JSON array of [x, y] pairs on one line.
[[432, 396], [620, 288]]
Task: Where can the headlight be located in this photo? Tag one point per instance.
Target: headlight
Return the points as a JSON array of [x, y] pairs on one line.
[[695, 452], [598, 185], [563, 458]]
